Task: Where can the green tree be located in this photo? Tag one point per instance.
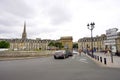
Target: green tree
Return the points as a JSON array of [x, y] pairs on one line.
[[4, 44], [58, 45], [75, 45], [51, 43]]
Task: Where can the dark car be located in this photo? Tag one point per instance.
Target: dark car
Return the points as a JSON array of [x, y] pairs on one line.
[[69, 53], [60, 54]]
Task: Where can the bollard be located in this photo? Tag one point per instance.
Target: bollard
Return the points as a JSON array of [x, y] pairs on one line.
[[95, 56], [105, 62], [100, 59]]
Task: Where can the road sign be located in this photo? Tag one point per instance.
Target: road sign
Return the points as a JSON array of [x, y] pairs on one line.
[[110, 42], [111, 36]]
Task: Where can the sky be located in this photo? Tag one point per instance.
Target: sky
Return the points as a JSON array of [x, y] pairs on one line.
[[52, 19]]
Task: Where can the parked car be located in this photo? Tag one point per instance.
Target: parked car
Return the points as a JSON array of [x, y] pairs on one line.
[[60, 54]]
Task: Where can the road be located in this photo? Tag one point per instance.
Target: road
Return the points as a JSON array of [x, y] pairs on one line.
[[73, 68]]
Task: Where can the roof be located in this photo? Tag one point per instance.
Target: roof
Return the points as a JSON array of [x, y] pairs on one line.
[[67, 37]]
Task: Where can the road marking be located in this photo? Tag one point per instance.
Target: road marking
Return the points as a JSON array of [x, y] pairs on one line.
[[83, 60], [73, 57]]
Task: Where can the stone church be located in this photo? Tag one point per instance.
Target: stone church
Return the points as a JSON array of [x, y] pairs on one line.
[[27, 44]]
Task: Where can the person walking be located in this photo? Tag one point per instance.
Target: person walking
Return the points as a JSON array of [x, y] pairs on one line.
[[80, 52]]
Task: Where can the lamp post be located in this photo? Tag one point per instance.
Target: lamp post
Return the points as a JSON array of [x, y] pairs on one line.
[[91, 27]]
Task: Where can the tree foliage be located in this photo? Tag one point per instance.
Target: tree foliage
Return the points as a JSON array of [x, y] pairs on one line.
[[58, 45], [4, 44], [51, 43], [75, 45]]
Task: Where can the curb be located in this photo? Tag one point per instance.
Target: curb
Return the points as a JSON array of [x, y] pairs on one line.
[[97, 62], [108, 65]]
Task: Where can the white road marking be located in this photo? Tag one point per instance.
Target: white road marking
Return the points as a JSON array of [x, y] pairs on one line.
[[83, 60], [73, 57]]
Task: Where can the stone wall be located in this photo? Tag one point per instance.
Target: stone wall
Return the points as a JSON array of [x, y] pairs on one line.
[[25, 53]]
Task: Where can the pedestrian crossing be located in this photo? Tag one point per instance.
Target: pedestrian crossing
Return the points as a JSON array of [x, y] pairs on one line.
[[81, 58], [74, 58]]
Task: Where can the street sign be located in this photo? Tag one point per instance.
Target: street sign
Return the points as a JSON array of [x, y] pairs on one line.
[[110, 42], [111, 36]]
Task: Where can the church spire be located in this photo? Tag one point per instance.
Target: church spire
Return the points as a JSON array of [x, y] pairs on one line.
[[24, 34]]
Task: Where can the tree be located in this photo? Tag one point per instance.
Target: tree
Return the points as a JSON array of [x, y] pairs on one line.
[[51, 43], [4, 44], [75, 45], [58, 45]]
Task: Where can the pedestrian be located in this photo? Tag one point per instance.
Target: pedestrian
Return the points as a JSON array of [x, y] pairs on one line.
[[80, 52], [108, 52]]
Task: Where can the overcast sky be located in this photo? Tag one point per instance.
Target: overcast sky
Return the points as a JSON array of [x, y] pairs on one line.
[[52, 19]]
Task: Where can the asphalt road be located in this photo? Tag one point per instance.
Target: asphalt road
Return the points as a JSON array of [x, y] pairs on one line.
[[73, 68]]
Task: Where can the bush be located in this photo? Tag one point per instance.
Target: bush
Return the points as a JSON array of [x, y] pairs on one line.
[[4, 44]]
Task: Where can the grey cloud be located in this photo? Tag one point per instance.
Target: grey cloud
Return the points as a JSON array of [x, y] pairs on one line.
[[4, 31], [33, 32], [56, 11], [59, 15], [41, 30], [9, 29], [12, 12], [16, 7], [6, 20]]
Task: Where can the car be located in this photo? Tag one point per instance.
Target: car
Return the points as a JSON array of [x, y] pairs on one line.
[[69, 53], [60, 54]]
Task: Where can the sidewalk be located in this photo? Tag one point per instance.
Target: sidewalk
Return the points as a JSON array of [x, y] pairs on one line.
[[116, 60]]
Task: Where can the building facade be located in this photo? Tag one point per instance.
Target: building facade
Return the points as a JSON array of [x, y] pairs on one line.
[[98, 43], [36, 44], [118, 43], [27, 44], [67, 42]]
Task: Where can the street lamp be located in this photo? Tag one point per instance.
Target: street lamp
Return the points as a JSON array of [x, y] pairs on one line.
[[91, 27]]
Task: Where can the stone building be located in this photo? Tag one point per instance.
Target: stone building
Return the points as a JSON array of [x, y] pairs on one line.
[[118, 42], [27, 44], [24, 34], [98, 43], [67, 42], [36, 44]]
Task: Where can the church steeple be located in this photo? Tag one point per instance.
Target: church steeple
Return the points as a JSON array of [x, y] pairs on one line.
[[24, 34]]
